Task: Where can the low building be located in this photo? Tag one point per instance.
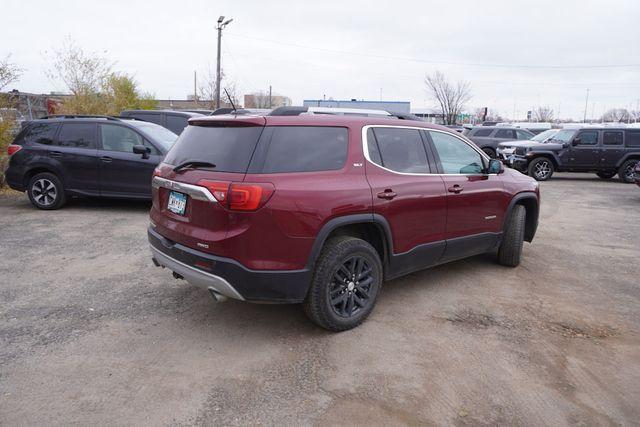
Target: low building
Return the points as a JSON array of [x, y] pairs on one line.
[[263, 100], [391, 106]]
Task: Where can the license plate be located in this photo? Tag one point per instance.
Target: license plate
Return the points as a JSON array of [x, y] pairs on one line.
[[177, 202]]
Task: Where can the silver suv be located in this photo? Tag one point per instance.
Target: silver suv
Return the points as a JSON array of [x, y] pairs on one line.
[[488, 137]]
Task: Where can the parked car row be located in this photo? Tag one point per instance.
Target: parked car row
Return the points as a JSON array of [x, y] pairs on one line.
[[303, 205], [604, 151]]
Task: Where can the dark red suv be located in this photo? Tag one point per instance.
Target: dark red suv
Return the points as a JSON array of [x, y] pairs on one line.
[[321, 209]]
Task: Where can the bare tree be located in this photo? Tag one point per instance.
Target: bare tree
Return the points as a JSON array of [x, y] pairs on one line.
[[207, 90], [82, 73], [543, 114], [616, 115], [451, 98], [9, 72]]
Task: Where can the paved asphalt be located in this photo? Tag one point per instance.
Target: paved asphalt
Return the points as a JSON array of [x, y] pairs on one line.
[[92, 334]]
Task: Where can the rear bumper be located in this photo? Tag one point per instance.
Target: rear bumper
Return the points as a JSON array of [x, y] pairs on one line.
[[15, 178], [227, 276]]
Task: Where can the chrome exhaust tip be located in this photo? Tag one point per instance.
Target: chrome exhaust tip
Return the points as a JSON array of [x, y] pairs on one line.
[[217, 297]]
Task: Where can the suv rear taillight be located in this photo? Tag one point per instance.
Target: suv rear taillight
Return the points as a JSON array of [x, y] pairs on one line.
[[239, 196], [13, 149]]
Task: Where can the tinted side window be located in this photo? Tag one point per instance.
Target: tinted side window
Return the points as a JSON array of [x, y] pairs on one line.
[[588, 137], [119, 138], [41, 133], [176, 124], [633, 138], [306, 149], [612, 138], [456, 157], [78, 135], [523, 134], [505, 133], [401, 150], [482, 132]]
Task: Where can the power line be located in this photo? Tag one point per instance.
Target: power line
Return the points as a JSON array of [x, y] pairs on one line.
[[426, 61]]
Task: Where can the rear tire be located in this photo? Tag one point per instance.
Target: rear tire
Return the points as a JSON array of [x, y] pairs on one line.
[[345, 285], [606, 175], [46, 192], [510, 251], [625, 173], [541, 169]]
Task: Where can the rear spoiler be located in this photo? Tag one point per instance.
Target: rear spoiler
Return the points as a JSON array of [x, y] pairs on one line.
[[228, 121]]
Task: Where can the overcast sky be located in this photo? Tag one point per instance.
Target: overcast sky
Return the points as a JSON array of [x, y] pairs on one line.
[[515, 54]]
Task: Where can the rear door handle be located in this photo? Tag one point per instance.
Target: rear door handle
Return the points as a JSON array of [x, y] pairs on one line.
[[457, 189], [387, 194], [106, 159], [55, 153]]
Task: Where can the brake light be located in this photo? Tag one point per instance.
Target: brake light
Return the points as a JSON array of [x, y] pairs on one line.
[[239, 196], [218, 189], [13, 149]]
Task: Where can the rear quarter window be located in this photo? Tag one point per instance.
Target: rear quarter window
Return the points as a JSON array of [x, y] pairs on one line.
[[304, 149], [40, 133], [633, 138]]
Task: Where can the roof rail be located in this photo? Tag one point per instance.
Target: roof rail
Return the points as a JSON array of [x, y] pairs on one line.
[[296, 111], [80, 116]]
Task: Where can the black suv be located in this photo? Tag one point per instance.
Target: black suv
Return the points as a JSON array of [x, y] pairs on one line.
[[175, 121], [605, 151], [60, 156], [488, 137]]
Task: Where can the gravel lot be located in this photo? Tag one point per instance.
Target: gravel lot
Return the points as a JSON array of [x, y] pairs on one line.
[[92, 333]]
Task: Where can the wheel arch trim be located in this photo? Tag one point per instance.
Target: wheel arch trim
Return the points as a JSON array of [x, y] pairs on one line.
[[335, 223], [532, 223]]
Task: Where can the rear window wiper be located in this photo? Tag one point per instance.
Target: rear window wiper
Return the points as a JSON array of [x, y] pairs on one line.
[[193, 164]]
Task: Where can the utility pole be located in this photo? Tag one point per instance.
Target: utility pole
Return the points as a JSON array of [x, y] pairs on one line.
[[221, 24], [195, 86], [586, 103], [270, 97]]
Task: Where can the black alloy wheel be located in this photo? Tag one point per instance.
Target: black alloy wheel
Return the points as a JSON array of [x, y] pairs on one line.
[[350, 286]]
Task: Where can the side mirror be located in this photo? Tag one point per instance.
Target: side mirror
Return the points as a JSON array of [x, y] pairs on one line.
[[575, 142], [495, 167], [141, 149]]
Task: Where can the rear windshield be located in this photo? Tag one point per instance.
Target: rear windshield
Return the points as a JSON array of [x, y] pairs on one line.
[[229, 148]]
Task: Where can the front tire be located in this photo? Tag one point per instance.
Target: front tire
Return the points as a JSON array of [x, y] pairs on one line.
[[625, 173], [510, 251], [345, 285], [540, 169], [46, 192]]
